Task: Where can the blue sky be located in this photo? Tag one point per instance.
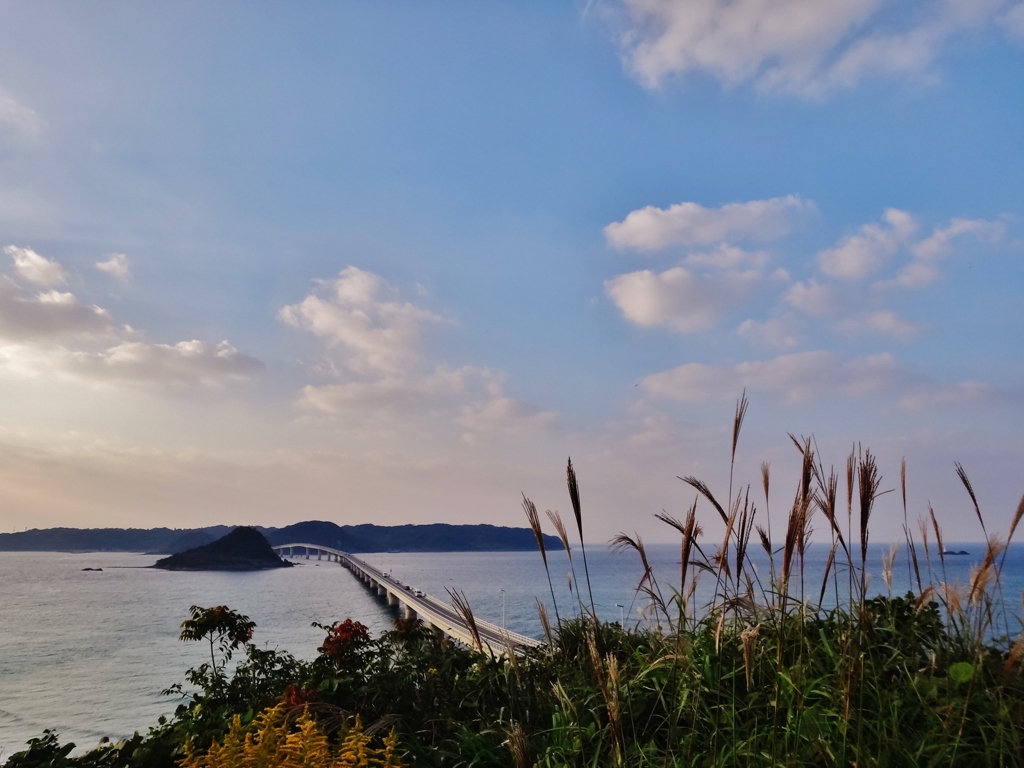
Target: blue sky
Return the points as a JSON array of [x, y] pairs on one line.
[[393, 262]]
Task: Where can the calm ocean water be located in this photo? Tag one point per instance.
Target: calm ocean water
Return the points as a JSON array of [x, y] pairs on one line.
[[87, 653]]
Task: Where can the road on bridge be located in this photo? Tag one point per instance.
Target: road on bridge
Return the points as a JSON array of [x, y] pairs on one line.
[[437, 613]]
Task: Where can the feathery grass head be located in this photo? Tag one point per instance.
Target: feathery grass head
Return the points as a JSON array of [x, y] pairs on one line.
[[888, 559], [970, 492], [534, 519], [545, 623], [702, 488], [1016, 520], [737, 422], [461, 606], [518, 745], [938, 535], [556, 520], [574, 496], [868, 482]]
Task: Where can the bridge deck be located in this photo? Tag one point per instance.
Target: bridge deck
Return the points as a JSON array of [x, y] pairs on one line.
[[437, 613]]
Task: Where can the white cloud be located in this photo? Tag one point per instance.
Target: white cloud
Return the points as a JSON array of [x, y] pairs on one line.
[[361, 313], [728, 257], [807, 47], [804, 376], [771, 333], [861, 254], [49, 315], [957, 394], [489, 412], [652, 229], [884, 321], [116, 266], [812, 298], [35, 268], [506, 416], [923, 268], [388, 393], [36, 330], [136, 362], [678, 299], [20, 118], [939, 243]]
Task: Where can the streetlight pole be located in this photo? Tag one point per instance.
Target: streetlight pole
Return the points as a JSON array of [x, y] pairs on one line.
[[622, 616], [503, 610]]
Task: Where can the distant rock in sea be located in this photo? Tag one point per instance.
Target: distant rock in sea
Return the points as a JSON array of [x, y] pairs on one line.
[[244, 549]]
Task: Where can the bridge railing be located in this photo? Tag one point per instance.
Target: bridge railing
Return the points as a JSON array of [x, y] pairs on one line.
[[439, 613]]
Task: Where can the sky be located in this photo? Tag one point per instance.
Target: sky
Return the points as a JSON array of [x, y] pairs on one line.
[[396, 262]]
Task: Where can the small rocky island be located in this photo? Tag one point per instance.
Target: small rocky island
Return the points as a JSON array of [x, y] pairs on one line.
[[244, 549]]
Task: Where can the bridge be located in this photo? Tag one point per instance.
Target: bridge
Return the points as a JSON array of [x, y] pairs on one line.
[[438, 615]]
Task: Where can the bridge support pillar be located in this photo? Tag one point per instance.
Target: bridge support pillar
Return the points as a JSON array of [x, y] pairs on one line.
[[373, 584], [392, 598], [381, 590], [408, 613], [318, 554]]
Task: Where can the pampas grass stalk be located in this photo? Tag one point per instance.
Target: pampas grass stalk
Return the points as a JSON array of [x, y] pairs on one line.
[[574, 497], [534, 519]]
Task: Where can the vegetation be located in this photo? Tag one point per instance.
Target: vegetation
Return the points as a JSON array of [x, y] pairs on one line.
[[273, 740], [762, 675]]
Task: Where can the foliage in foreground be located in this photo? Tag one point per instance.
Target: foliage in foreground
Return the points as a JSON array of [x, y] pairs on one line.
[[763, 675], [274, 739]]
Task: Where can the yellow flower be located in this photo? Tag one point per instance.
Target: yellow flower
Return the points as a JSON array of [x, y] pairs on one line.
[[270, 741]]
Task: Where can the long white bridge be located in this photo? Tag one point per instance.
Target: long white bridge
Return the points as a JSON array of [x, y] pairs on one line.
[[414, 603]]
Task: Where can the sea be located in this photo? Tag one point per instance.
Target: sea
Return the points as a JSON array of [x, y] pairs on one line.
[[88, 653]]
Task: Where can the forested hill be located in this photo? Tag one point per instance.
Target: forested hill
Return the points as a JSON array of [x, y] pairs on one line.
[[436, 537]]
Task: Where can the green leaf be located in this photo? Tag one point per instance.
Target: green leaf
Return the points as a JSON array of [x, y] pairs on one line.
[[961, 672]]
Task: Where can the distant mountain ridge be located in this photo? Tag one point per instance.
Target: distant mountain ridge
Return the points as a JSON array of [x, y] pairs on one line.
[[366, 537]]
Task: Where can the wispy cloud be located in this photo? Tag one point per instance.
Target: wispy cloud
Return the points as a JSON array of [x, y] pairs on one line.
[[115, 265], [24, 121], [360, 313], [137, 363], [504, 416], [773, 332], [884, 322], [53, 332], [689, 223], [812, 298], [803, 47], [48, 316], [928, 253], [377, 334], [895, 254], [801, 377], [35, 268], [866, 252], [389, 393]]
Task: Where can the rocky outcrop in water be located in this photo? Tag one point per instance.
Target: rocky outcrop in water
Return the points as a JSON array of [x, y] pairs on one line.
[[244, 549]]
